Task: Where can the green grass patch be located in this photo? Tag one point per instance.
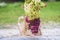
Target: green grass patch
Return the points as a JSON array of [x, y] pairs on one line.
[[51, 12], [10, 13]]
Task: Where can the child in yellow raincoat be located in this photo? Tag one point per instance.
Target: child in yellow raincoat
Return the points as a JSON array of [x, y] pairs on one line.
[[31, 8]]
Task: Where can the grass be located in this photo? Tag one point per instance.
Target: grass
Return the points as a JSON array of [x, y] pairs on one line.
[[12, 11], [51, 12]]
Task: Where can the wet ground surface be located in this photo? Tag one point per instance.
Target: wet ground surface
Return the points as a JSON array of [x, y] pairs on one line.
[[47, 34], [32, 38], [50, 31]]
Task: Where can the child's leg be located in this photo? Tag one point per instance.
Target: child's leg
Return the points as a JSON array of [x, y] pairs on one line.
[[25, 26], [22, 26], [24, 30]]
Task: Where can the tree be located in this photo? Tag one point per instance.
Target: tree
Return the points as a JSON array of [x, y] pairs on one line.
[[11, 0], [51, 0], [44, 0]]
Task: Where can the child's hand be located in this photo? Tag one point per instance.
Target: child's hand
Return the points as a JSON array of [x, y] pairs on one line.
[[43, 4]]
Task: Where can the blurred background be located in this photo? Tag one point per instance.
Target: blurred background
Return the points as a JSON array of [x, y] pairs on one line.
[[10, 10]]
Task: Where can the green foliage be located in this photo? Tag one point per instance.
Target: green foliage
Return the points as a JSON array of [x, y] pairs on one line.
[[44, 0], [57, 0]]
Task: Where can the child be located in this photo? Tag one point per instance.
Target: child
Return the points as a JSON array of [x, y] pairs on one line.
[[31, 8]]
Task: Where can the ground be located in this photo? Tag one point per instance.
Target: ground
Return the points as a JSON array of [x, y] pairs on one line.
[[50, 31]]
